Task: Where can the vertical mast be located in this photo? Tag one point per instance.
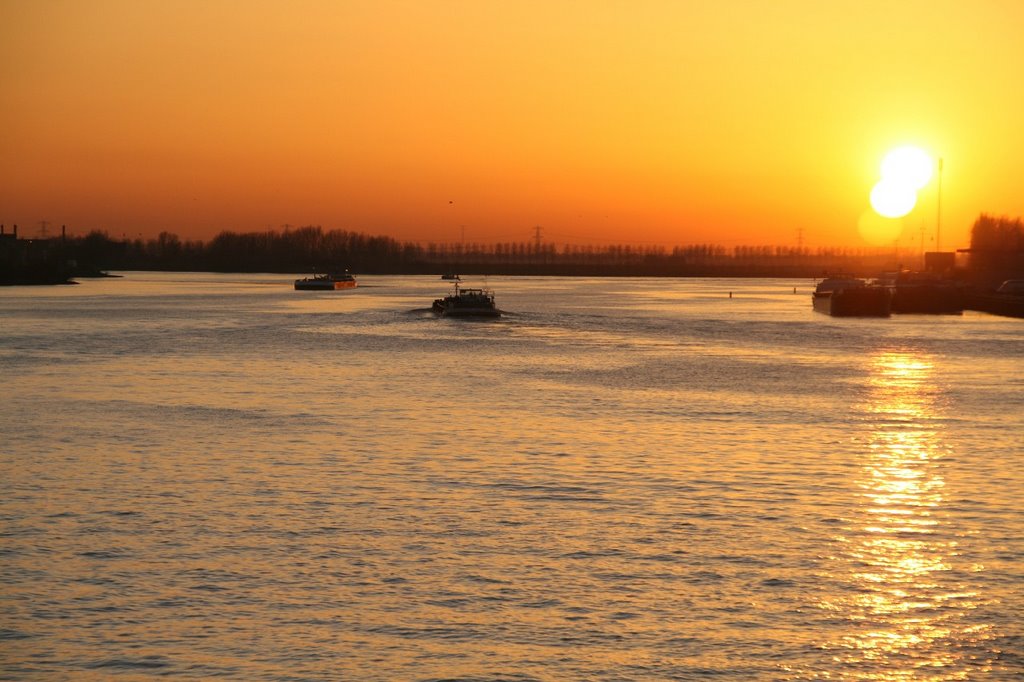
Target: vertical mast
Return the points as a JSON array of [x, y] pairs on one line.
[[938, 211]]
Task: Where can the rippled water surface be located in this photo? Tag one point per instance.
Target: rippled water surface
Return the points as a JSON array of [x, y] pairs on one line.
[[215, 476]]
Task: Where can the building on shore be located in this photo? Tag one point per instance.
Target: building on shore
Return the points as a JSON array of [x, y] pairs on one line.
[[34, 261]]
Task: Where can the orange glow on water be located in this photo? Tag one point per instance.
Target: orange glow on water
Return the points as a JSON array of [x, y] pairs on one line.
[[905, 610], [672, 123]]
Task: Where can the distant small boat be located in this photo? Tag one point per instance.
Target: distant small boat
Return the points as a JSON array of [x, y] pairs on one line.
[[327, 282], [450, 276], [851, 297], [466, 303]]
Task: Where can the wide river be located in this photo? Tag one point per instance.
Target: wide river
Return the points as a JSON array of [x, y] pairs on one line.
[[216, 476]]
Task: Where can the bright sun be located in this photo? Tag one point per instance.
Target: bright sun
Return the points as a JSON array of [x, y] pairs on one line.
[[892, 200], [905, 170], [910, 166]]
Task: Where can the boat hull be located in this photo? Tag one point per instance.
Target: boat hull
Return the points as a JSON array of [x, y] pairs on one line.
[[854, 302], [323, 285], [1005, 305], [927, 299], [467, 312], [466, 303]]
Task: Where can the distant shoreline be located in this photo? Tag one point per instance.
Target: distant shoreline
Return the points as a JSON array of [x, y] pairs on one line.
[[312, 249]]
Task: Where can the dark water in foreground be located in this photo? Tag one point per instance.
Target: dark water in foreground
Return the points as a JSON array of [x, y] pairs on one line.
[[208, 476]]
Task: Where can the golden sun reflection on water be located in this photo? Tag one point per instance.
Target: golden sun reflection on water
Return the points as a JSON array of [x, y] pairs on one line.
[[904, 606]]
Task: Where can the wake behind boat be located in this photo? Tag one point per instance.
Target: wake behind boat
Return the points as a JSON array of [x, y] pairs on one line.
[[326, 282], [466, 303], [851, 297]]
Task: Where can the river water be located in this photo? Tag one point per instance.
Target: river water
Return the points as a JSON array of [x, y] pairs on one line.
[[215, 476]]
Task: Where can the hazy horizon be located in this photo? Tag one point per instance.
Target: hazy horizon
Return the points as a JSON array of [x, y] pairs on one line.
[[52, 230]]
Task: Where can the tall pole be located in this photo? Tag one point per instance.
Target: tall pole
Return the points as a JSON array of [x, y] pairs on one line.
[[924, 245], [938, 210]]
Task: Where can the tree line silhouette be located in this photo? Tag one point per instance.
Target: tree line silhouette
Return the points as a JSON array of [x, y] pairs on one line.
[[313, 249], [997, 244], [997, 248]]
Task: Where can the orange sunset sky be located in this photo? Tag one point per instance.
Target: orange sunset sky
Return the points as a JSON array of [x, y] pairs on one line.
[[650, 122]]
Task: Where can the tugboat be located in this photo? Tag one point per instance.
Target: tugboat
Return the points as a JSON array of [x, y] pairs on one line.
[[851, 297], [326, 282], [466, 303]]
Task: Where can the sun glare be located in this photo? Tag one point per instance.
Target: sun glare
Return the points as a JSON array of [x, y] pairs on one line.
[[878, 230], [905, 171], [892, 200], [908, 166]]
